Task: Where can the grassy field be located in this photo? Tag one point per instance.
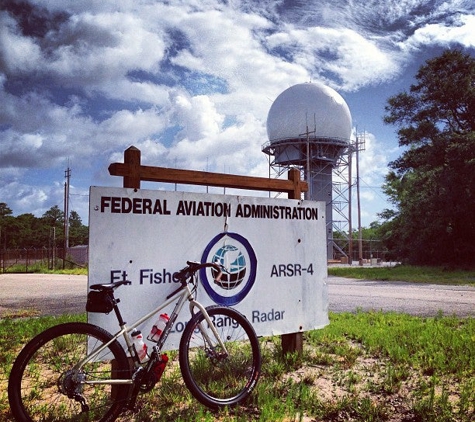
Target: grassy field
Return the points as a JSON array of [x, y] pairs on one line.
[[437, 275], [368, 366], [41, 268]]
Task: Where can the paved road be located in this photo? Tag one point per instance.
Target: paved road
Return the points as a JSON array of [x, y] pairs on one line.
[[57, 294], [347, 295], [48, 294]]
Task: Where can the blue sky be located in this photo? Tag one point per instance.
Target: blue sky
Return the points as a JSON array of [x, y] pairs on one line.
[[190, 83]]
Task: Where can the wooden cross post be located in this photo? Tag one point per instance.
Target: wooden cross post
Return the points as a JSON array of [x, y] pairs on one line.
[[133, 173]]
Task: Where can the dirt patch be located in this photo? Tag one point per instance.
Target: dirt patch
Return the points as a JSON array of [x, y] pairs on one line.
[[394, 390]]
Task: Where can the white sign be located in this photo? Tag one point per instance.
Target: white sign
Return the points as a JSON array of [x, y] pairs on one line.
[[275, 250]]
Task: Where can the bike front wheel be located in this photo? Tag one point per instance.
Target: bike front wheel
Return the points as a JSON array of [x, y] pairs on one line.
[[47, 383], [218, 377]]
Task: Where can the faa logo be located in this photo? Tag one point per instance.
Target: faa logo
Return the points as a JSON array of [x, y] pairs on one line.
[[235, 254]]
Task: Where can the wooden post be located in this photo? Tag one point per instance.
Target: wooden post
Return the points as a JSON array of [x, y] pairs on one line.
[[293, 342], [294, 176], [132, 158], [133, 172]]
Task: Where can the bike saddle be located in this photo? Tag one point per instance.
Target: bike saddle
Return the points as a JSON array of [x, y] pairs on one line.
[[109, 286]]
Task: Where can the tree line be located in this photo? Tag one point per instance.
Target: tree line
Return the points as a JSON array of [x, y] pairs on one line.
[[28, 231], [432, 184]]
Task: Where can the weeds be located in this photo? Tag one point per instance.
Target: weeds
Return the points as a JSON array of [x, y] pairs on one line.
[[368, 366], [43, 268]]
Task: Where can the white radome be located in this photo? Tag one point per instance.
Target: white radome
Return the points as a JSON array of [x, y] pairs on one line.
[[309, 106]]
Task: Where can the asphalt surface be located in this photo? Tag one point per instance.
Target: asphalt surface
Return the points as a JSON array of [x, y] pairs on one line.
[[46, 294], [347, 295]]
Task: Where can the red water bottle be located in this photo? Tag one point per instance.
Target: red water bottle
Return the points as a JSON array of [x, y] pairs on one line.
[[160, 366], [158, 327]]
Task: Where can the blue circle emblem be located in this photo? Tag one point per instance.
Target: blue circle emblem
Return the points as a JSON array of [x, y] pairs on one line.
[[234, 261], [235, 254]]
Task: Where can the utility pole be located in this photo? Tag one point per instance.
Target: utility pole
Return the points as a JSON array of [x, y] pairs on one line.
[[350, 226], [52, 240], [360, 239], [67, 175]]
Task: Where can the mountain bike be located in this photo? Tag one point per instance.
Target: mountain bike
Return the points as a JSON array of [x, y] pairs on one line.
[[79, 371]]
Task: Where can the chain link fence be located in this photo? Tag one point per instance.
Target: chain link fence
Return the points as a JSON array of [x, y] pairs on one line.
[[373, 251], [29, 259]]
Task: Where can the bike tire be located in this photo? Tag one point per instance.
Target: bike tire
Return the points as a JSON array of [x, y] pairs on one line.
[[42, 376], [219, 381]]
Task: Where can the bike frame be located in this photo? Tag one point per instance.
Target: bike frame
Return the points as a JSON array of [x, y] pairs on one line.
[[183, 293]]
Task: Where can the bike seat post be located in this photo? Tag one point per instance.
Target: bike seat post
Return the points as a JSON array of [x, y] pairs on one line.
[[118, 314]]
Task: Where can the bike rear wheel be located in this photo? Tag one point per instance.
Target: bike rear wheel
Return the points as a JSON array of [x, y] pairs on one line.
[[45, 385], [214, 378]]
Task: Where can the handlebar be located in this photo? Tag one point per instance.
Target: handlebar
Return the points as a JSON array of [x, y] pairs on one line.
[[193, 267]]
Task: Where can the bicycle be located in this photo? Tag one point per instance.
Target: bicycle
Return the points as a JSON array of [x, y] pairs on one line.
[[79, 371]]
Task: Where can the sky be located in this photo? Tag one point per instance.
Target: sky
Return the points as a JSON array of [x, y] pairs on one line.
[[190, 83]]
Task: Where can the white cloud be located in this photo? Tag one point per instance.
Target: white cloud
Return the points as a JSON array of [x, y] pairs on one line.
[[136, 91], [373, 159], [229, 45], [125, 126], [90, 50], [235, 149], [17, 53], [23, 198], [340, 57], [153, 151], [198, 116], [48, 134], [53, 133], [462, 32]]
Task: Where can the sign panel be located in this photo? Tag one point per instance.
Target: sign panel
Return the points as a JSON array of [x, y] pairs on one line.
[[274, 250]]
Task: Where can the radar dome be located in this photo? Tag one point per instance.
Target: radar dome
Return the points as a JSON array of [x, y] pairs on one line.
[[312, 107]]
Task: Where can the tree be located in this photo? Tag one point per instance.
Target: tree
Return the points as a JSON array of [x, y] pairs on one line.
[[28, 231], [5, 212], [372, 246], [54, 217], [432, 184], [53, 226], [78, 233]]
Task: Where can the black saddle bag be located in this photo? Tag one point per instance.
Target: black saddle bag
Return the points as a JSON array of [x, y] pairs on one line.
[[100, 302]]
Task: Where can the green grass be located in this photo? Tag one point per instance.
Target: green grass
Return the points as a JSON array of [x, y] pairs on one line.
[[367, 366], [72, 271], [42, 268], [436, 275]]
